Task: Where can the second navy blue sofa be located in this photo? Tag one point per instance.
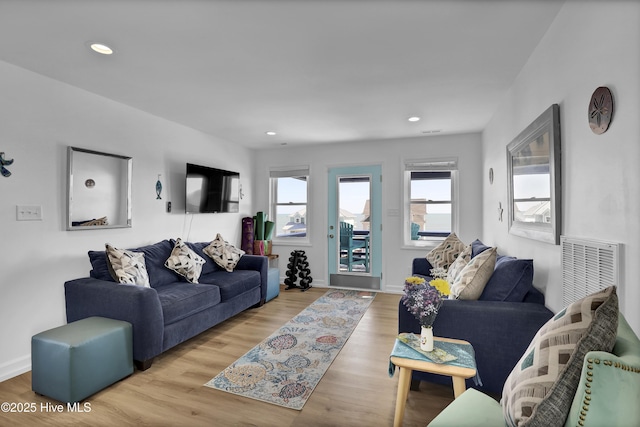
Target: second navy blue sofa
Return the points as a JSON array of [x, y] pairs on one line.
[[499, 325]]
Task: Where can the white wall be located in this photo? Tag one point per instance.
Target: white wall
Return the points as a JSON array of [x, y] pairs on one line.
[[590, 44], [40, 118], [390, 154]]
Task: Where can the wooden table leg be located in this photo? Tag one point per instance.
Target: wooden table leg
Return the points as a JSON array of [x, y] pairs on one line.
[[459, 386], [401, 399]]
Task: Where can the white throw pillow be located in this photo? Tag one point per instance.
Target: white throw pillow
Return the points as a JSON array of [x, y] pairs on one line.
[[127, 266], [185, 262], [223, 253], [470, 282]]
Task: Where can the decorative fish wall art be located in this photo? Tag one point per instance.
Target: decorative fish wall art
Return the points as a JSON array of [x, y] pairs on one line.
[[158, 188], [5, 162]]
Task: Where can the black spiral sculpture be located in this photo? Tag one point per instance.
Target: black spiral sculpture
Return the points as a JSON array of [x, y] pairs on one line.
[[298, 267]]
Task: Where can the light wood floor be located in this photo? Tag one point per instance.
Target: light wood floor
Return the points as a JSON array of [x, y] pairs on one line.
[[355, 391]]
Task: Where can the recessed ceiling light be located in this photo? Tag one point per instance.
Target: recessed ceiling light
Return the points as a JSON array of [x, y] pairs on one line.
[[270, 133], [414, 119], [101, 48]]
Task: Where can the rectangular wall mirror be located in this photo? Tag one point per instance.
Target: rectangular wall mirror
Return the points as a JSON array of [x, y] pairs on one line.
[[533, 165], [99, 190]]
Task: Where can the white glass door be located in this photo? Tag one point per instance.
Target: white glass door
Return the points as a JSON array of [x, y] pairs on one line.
[[354, 237]]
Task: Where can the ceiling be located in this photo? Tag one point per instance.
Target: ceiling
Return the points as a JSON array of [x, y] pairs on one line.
[[314, 71]]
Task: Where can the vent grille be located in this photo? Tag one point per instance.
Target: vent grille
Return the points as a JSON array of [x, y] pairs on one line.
[[588, 266]]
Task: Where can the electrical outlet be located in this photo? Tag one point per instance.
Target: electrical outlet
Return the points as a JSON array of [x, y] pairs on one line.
[[168, 207], [29, 213]]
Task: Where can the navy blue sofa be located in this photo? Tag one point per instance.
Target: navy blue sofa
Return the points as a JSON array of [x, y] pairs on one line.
[[172, 310], [499, 325]]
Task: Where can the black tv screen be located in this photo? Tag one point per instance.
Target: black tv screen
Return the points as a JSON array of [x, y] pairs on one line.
[[210, 190]]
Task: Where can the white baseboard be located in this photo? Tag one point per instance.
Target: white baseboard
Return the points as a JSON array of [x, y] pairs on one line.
[[15, 367]]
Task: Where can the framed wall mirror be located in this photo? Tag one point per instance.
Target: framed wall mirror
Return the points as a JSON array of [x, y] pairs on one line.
[[99, 190], [534, 191]]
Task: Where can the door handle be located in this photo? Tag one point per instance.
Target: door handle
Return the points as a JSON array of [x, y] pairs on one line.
[[331, 236]]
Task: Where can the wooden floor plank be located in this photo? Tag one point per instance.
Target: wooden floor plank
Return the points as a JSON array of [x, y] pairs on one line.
[[355, 391]]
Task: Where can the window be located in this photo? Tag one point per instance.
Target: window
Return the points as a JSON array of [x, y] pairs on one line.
[[430, 200], [288, 201]]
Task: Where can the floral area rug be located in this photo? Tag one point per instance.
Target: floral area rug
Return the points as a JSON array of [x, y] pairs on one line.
[[285, 368]]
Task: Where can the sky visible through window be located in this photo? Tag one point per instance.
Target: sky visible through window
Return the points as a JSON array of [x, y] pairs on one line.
[[432, 189], [527, 186], [353, 196]]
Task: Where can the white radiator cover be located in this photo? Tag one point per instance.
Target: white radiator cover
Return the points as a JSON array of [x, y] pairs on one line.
[[588, 266]]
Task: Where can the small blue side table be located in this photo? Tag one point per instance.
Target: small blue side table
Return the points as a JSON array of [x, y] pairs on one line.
[[273, 278]]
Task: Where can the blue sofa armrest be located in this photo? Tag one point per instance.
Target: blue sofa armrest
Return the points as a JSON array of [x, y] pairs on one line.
[[137, 305], [500, 332], [421, 266], [258, 263]]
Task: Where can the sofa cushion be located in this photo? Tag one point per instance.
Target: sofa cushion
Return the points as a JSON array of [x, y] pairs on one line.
[[208, 267], [100, 266], [459, 264], [540, 389], [232, 284], [443, 255], [223, 253], [185, 262], [471, 281], [477, 247], [511, 280], [180, 300], [154, 257], [127, 266]]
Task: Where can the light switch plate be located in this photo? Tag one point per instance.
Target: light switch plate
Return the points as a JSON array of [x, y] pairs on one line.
[[29, 213]]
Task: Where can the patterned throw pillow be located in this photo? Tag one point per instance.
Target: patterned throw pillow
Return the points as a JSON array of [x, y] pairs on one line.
[[127, 266], [185, 262], [443, 255], [459, 264], [224, 254], [470, 282], [540, 389]]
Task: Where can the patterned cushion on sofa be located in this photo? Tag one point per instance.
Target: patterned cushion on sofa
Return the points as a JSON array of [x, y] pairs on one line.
[[155, 256], [185, 262], [459, 264], [443, 255], [223, 253], [127, 266], [540, 389], [470, 282]]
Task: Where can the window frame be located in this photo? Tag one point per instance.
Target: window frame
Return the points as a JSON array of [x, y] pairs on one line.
[[289, 172], [429, 165]]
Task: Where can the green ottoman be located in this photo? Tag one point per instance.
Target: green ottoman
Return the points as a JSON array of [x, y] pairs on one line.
[[74, 361]]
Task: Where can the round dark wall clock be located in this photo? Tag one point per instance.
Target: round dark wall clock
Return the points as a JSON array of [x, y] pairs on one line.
[[600, 110]]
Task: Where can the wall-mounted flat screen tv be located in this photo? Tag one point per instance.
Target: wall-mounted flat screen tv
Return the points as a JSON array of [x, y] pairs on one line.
[[211, 190]]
